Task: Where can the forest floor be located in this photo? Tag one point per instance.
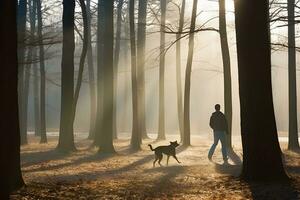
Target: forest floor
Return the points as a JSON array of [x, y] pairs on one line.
[[85, 174]]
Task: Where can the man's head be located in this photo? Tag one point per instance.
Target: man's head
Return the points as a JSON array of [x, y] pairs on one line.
[[217, 107]]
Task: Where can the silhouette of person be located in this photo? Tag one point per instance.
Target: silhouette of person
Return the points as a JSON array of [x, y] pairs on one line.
[[218, 123]]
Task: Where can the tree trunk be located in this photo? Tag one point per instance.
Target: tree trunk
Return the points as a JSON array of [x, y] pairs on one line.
[[36, 99], [116, 63], [161, 117], [21, 22], [261, 150], [92, 86], [127, 79], [21, 26], [136, 138], [42, 74], [66, 135], [178, 71], [226, 69], [106, 136], [10, 169], [27, 70], [187, 87], [293, 123], [24, 102], [100, 76], [81, 61], [141, 43]]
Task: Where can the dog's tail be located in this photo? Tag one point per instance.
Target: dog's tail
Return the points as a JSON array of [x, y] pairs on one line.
[[151, 147]]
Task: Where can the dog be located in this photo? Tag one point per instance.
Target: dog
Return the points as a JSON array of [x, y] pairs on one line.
[[167, 150]]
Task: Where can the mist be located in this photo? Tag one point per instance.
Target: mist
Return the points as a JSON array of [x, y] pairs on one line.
[[207, 76]]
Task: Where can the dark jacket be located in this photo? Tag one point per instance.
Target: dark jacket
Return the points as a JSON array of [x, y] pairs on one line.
[[218, 121]]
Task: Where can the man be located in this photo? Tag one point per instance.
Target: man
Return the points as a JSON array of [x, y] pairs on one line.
[[218, 123]]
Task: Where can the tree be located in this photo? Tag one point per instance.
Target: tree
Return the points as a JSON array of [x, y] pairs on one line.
[[81, 62], [161, 116], [21, 25], [293, 123], [136, 138], [43, 130], [100, 72], [33, 10], [92, 87], [27, 71], [116, 63], [261, 150], [36, 98], [187, 87], [226, 68], [141, 43], [106, 135], [178, 70], [66, 135], [25, 95], [10, 169]]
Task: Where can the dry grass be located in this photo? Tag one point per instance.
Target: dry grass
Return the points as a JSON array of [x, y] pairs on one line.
[[84, 174]]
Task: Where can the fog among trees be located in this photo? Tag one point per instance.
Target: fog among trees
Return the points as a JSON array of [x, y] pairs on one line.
[[207, 85], [93, 88]]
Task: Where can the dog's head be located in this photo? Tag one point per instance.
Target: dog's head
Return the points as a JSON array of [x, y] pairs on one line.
[[174, 144]]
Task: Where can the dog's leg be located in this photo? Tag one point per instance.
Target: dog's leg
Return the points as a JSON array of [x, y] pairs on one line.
[[168, 159], [156, 158], [159, 159], [176, 158]]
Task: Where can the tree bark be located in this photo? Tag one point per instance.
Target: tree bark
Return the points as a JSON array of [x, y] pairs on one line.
[[161, 117], [42, 74], [226, 70], [187, 86], [292, 77], [27, 71], [126, 94], [100, 72], [261, 150], [10, 169], [116, 63], [178, 71], [141, 44], [66, 135], [81, 61], [136, 138], [106, 136], [24, 102], [92, 86], [21, 26], [36, 99]]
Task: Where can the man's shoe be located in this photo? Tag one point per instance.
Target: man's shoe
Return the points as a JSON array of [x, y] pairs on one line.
[[210, 158], [226, 162]]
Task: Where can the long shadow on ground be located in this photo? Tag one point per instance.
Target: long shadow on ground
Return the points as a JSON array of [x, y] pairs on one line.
[[92, 175], [234, 157], [164, 186], [34, 158], [262, 190], [80, 160]]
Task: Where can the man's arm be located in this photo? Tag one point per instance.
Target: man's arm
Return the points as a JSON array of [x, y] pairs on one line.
[[211, 122]]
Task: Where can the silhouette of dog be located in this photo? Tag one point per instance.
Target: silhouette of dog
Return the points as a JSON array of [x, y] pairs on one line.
[[167, 150]]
